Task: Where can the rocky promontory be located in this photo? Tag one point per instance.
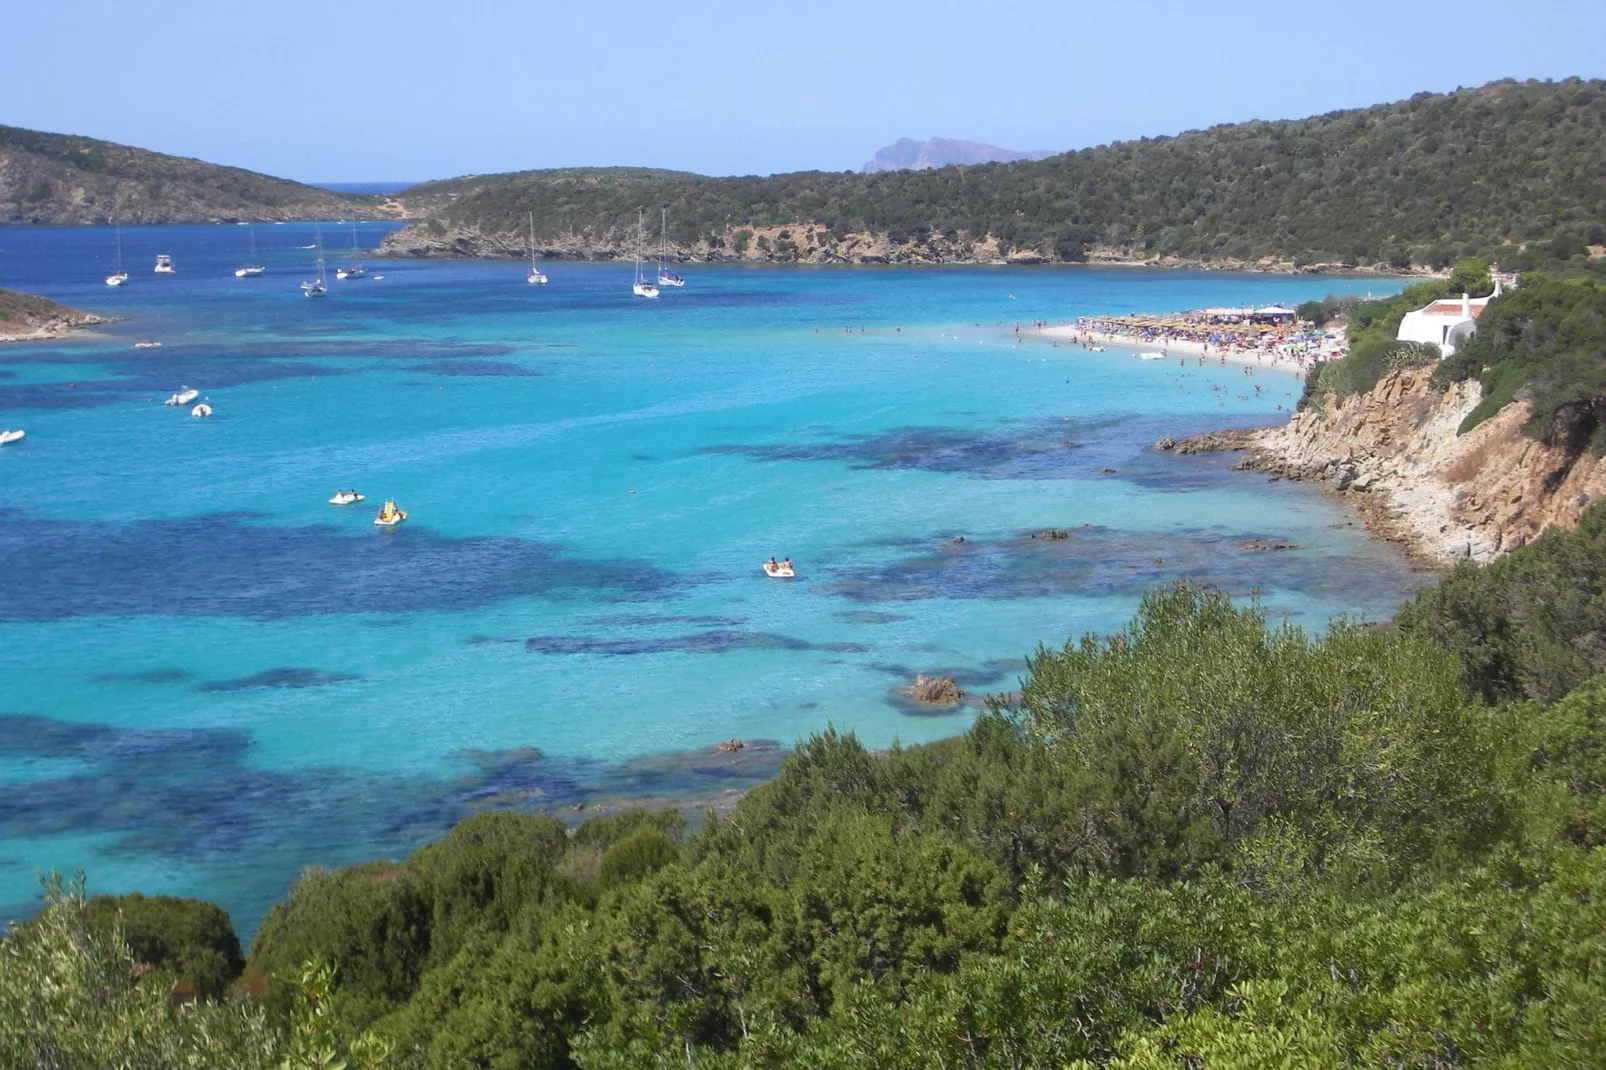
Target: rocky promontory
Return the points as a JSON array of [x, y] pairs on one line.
[[24, 317], [1395, 453]]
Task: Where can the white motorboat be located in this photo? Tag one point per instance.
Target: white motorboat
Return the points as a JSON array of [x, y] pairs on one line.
[[203, 409], [778, 570], [250, 269], [118, 277], [641, 287], [164, 264], [533, 276], [183, 397], [147, 344], [8, 437], [345, 497], [319, 286], [665, 276], [389, 516], [352, 270]]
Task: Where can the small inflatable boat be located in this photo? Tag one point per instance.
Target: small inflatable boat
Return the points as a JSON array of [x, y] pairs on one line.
[[147, 345], [11, 436], [183, 397], [203, 409], [777, 572], [389, 516], [1151, 356], [345, 497]]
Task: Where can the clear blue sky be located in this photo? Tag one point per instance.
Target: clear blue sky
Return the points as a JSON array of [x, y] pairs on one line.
[[407, 89]]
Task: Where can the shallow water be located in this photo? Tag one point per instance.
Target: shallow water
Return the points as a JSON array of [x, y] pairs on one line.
[[210, 678]]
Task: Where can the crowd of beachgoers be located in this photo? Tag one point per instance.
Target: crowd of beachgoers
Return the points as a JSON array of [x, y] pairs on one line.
[[1285, 343]]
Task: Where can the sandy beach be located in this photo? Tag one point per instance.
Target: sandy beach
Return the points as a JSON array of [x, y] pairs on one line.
[[1281, 357]]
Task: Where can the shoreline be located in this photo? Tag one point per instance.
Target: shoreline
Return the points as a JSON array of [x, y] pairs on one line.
[[1272, 360]]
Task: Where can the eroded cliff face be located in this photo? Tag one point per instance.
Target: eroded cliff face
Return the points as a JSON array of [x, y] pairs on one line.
[[1395, 453]]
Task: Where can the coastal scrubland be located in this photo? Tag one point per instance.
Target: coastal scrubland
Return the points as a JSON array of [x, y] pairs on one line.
[[25, 316], [1206, 839], [65, 179], [1508, 170]]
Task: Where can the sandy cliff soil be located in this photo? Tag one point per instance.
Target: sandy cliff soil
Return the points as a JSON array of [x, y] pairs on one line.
[[1395, 454]]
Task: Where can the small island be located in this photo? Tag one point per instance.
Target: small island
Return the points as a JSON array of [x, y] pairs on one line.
[[25, 317]]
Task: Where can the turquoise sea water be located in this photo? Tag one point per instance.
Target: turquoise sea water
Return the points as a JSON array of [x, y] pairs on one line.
[[210, 678]]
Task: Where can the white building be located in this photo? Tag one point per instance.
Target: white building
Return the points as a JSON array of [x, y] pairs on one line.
[[1445, 323]]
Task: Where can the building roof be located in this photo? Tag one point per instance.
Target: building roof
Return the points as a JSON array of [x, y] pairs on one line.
[[1274, 310], [1453, 308]]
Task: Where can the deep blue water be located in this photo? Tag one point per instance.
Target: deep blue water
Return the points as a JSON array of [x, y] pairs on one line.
[[210, 678]]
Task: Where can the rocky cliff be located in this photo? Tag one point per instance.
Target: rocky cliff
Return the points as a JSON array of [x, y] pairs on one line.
[[1395, 454]]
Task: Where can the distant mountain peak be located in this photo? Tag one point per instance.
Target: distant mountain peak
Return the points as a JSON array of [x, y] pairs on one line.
[[907, 154]]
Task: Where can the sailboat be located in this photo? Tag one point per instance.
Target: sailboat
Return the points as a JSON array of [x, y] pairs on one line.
[[352, 270], [251, 269], [118, 277], [534, 276], [318, 286], [642, 288], [666, 278]]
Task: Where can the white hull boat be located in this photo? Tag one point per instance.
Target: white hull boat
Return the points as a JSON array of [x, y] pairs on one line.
[[778, 572], [118, 277], [345, 497], [202, 409], [183, 397], [249, 271], [533, 276], [665, 276], [389, 516], [1151, 356], [319, 286], [8, 437], [641, 287], [164, 265], [147, 345]]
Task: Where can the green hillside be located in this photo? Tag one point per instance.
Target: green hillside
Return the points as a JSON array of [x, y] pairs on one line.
[[1422, 181], [59, 178]]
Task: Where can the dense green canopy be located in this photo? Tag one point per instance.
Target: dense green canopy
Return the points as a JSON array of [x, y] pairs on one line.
[[1421, 181]]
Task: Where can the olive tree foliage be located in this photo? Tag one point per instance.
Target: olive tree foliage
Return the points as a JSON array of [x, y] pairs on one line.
[[73, 997]]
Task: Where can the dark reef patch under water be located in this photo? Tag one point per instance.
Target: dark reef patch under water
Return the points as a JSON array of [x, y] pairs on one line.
[[236, 566], [273, 678], [718, 641], [1093, 561], [193, 797]]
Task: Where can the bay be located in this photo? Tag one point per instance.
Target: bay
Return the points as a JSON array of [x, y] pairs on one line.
[[210, 678]]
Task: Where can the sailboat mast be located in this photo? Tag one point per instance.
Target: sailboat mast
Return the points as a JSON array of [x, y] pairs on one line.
[[663, 240], [532, 241]]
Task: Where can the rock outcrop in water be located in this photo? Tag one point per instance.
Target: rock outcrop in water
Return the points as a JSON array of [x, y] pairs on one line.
[[1394, 452], [25, 317]]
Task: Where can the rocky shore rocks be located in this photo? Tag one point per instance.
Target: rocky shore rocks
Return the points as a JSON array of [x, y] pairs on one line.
[[935, 691], [1395, 454]]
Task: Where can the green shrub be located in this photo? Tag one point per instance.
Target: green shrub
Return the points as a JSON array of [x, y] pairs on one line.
[[189, 939]]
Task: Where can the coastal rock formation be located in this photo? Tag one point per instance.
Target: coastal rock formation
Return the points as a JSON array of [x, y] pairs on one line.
[[24, 317], [1395, 453], [935, 691]]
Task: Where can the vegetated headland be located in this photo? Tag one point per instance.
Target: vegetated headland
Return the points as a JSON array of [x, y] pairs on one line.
[[25, 317], [1408, 186], [1467, 456], [1412, 185]]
